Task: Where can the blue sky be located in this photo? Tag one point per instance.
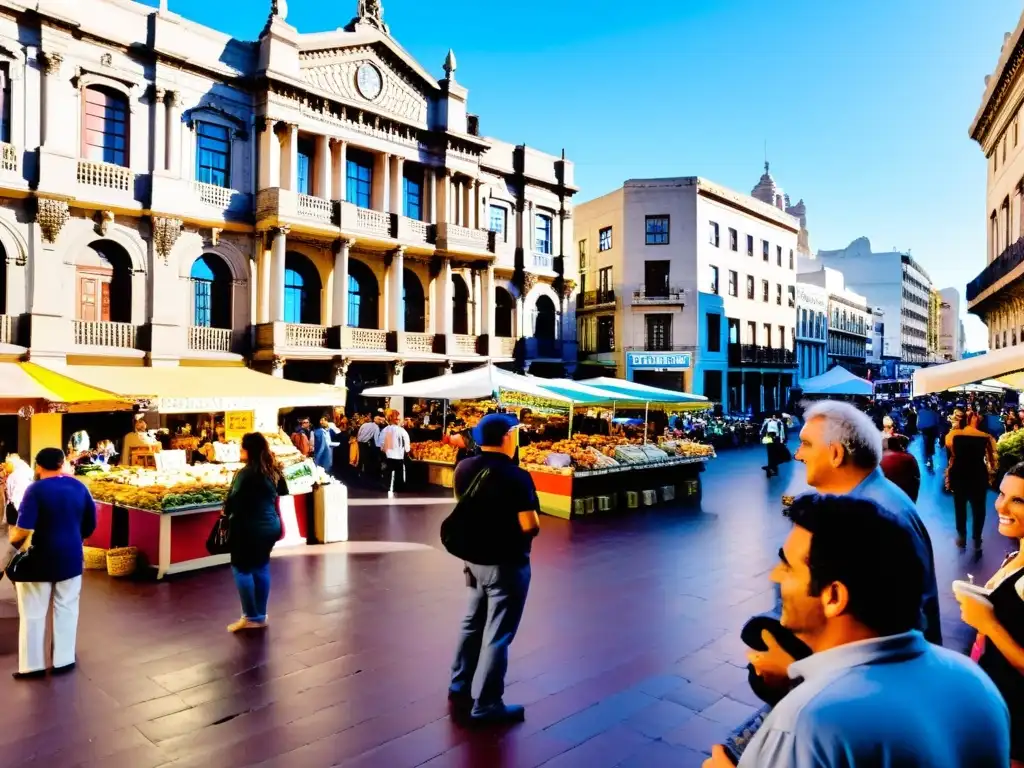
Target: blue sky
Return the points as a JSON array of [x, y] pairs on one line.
[[864, 106]]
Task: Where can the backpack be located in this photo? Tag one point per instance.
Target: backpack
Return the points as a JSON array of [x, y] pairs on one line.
[[460, 531]]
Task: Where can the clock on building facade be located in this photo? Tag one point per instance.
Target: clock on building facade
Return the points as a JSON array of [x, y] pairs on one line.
[[369, 81]]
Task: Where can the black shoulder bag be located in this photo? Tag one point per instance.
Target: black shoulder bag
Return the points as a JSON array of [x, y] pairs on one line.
[[459, 531]]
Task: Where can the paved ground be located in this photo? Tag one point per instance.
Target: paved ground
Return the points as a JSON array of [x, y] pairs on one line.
[[628, 654]]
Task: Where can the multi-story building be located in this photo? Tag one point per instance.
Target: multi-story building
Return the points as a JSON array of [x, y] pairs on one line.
[[849, 318], [994, 294], [319, 203], [896, 283], [951, 327], [690, 285], [811, 330]]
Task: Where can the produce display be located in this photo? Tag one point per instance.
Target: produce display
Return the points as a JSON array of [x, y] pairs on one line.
[[434, 450], [591, 452], [688, 449], [204, 484]]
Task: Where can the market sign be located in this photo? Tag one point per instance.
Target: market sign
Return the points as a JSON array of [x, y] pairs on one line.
[[668, 361], [237, 424], [511, 399]]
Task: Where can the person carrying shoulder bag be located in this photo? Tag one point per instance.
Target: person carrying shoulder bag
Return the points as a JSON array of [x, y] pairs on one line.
[[491, 530]]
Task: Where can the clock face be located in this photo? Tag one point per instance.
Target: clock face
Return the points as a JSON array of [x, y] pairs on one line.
[[369, 81]]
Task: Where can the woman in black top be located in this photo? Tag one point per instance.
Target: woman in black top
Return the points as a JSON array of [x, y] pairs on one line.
[[255, 526], [999, 648], [972, 454]]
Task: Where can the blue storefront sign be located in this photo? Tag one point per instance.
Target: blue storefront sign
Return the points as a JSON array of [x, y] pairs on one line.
[[657, 361]]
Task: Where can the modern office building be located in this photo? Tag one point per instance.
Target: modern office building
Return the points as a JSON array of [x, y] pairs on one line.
[[849, 318], [951, 327], [897, 284], [320, 205], [687, 284], [811, 330]]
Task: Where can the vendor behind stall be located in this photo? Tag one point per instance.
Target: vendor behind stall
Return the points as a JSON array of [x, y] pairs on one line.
[[137, 439]]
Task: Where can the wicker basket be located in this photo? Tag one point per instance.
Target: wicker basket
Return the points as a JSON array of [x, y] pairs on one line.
[[122, 561], [95, 559]]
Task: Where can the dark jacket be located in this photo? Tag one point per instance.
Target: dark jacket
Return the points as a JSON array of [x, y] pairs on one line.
[[255, 525]]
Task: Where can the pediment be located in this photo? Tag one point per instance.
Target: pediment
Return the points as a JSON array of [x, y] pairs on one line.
[[337, 71]]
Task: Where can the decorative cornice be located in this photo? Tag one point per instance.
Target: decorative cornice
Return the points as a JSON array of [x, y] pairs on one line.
[[51, 61], [51, 216], [997, 99], [529, 282]]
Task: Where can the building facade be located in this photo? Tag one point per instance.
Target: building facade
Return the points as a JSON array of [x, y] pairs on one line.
[[996, 294], [951, 327], [690, 285], [811, 330], [897, 284], [850, 326], [317, 204]]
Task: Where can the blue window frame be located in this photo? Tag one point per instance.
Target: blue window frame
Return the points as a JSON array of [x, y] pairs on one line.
[[354, 302], [359, 178], [306, 153], [294, 296], [213, 154], [499, 220], [542, 237], [413, 195], [202, 287]]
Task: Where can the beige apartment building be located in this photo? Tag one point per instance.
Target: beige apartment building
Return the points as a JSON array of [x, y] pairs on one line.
[[319, 205], [996, 295], [689, 285]]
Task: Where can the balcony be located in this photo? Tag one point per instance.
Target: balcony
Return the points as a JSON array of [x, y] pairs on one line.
[[102, 183], [310, 207], [542, 261], [462, 344], [418, 343], [89, 333], [451, 237], [658, 296], [369, 339], [105, 175], [1006, 265], [416, 232], [751, 354], [8, 158], [203, 339], [305, 335], [595, 299], [506, 346]]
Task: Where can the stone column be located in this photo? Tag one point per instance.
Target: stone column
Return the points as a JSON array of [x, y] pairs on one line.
[[487, 310], [396, 306], [477, 300], [174, 133], [527, 225], [467, 203], [270, 155], [263, 284], [443, 206], [51, 64], [339, 303], [277, 261], [290, 158], [441, 311], [430, 193], [458, 199], [323, 167], [397, 196], [379, 183], [477, 184], [340, 169], [159, 130]]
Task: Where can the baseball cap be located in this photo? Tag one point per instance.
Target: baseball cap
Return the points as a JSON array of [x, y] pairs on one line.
[[50, 459], [492, 428]]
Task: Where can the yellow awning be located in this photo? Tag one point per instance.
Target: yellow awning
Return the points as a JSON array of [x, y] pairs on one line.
[[209, 389], [45, 390]]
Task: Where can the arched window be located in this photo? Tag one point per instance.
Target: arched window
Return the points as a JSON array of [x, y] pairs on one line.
[[415, 306], [103, 284], [211, 292], [301, 290], [105, 126], [503, 308], [544, 322], [460, 305], [363, 294]]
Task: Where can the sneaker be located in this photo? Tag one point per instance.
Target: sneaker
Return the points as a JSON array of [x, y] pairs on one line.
[[460, 702], [63, 670], [34, 675], [500, 715]]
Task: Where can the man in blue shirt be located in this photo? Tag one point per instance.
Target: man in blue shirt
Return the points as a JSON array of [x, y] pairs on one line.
[[874, 692], [928, 424]]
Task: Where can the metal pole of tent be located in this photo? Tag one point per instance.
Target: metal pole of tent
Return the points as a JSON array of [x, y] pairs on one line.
[[646, 406]]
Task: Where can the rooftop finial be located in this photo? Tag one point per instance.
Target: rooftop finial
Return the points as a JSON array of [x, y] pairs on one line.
[[766, 166], [278, 11], [450, 65], [370, 13]]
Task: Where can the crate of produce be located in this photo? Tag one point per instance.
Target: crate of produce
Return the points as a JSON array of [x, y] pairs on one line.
[[650, 498], [605, 503], [667, 493], [632, 500]]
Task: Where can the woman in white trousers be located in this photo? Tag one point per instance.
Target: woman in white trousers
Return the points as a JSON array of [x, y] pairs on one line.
[[55, 515]]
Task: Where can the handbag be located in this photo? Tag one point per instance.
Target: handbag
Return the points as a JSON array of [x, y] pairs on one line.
[[18, 566], [219, 540], [460, 532]]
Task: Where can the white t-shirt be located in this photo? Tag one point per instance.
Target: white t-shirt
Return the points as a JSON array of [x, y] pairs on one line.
[[772, 426], [395, 442]]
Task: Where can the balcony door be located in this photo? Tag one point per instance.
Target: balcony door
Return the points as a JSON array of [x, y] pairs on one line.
[[504, 306], [415, 303], [545, 319], [460, 306], [659, 333], [656, 279], [211, 292], [302, 290], [103, 284], [363, 296]]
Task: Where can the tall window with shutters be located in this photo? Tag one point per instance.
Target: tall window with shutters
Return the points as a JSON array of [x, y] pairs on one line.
[[213, 154], [105, 126]]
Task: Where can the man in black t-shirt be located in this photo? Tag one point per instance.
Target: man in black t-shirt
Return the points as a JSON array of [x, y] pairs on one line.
[[498, 576]]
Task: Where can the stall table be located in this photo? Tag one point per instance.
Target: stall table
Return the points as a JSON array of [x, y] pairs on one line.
[[575, 495], [441, 473]]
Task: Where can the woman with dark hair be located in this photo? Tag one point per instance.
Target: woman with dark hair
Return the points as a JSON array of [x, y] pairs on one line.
[[899, 466], [255, 526], [972, 456]]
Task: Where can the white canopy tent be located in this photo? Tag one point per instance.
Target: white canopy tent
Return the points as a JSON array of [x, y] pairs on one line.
[[837, 381], [1002, 364], [477, 384]]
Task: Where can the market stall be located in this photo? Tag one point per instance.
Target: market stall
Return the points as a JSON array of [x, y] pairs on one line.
[[1006, 365], [837, 381], [166, 507], [578, 474]]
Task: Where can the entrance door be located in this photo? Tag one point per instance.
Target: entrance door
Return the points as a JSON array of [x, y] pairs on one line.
[[94, 297]]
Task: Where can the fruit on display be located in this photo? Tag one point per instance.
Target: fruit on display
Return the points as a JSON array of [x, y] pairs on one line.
[[589, 452], [434, 450], [688, 449], [142, 488]]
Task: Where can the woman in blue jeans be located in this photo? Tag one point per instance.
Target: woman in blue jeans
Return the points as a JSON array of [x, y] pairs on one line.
[[255, 526]]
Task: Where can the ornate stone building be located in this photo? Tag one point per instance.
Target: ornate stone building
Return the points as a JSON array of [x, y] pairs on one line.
[[317, 204]]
